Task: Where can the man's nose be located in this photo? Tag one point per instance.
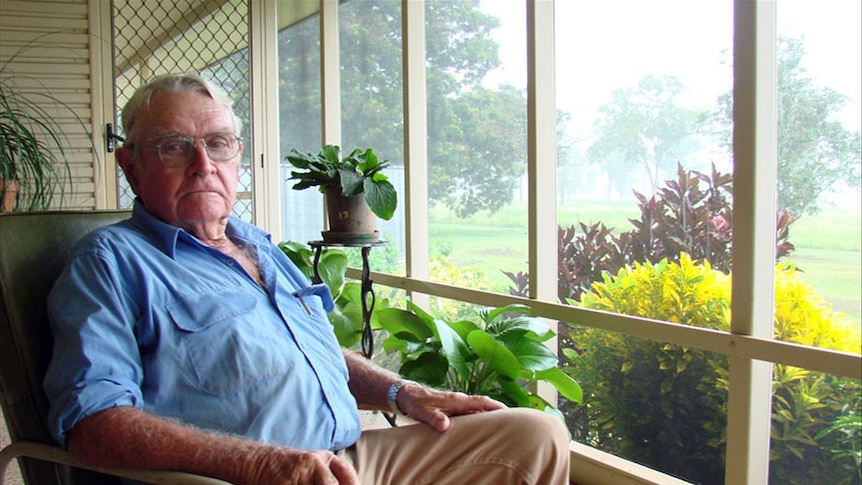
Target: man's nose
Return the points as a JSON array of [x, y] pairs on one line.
[[200, 157]]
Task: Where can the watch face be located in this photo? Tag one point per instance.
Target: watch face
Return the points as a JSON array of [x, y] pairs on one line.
[[392, 396]]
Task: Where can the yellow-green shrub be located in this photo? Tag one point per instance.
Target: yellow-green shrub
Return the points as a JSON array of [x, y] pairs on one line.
[[665, 405], [443, 270]]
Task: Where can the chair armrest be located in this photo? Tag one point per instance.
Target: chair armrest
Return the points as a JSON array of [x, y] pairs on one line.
[[55, 454]]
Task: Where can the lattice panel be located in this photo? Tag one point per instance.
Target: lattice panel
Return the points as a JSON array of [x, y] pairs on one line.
[[203, 36]]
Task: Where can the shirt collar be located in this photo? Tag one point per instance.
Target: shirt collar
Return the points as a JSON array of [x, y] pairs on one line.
[[166, 236]]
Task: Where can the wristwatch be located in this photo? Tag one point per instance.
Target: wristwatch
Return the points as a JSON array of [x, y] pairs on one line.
[[392, 395]]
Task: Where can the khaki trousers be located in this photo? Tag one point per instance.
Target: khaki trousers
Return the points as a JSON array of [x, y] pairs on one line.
[[516, 446]]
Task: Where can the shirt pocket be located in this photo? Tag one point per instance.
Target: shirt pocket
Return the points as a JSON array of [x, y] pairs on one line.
[[227, 347]]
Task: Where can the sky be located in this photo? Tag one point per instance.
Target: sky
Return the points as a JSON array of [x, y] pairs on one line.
[[602, 45]]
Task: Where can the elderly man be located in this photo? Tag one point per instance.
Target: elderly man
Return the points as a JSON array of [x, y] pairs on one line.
[[183, 341]]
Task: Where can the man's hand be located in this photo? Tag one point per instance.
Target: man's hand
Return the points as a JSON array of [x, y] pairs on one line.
[[434, 407], [277, 465]]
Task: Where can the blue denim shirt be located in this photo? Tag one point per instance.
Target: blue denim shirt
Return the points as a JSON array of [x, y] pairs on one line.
[[145, 315]]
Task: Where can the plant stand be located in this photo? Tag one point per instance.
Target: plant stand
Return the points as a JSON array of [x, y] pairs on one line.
[[366, 288]]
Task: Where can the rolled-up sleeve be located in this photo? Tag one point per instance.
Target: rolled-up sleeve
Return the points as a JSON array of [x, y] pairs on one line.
[[96, 364]]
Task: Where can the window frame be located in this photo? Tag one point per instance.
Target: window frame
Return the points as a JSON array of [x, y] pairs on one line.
[[749, 345]]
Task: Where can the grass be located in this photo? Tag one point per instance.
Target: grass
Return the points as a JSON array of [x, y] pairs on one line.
[[828, 245]]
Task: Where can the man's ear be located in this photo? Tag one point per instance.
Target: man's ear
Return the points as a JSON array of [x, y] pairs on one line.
[[126, 161]]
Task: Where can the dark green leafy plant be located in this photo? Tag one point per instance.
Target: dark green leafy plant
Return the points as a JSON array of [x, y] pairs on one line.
[[846, 445], [692, 214], [33, 146], [355, 174], [500, 353]]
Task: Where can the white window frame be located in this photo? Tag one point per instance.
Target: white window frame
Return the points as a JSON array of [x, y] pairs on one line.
[[750, 347]]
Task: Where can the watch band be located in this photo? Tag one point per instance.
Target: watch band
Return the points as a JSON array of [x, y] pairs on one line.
[[392, 395]]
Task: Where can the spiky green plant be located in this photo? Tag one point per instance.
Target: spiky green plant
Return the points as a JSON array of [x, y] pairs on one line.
[[33, 147]]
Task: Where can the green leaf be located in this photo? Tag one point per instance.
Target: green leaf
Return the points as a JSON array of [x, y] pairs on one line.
[[494, 354], [534, 325], [347, 324], [570, 353], [463, 328], [514, 393], [565, 385], [351, 292], [332, 267], [425, 316], [491, 314], [351, 182], [300, 254], [330, 153], [532, 355], [381, 197], [430, 368], [455, 350], [404, 324]]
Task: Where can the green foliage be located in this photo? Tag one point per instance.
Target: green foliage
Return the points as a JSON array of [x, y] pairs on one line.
[[476, 136], [346, 318], [665, 405], [643, 125], [692, 214], [499, 352], [33, 146], [357, 173], [487, 149], [384, 259], [846, 434], [443, 270], [816, 154], [807, 404]]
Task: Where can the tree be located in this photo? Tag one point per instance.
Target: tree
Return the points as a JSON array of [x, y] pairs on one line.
[[489, 141], [643, 126], [815, 152], [476, 136], [299, 87]]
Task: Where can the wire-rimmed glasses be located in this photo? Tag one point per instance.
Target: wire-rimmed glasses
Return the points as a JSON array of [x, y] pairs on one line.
[[178, 150]]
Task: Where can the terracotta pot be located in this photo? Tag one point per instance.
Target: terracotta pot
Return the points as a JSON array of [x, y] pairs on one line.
[[9, 190], [350, 218]]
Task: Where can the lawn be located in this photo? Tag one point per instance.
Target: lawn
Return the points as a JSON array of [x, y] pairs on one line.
[[828, 245]]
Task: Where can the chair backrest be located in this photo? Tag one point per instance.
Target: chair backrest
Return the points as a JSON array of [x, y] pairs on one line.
[[34, 247]]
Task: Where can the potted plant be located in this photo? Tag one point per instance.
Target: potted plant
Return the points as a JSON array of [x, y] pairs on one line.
[[499, 354], [33, 164], [356, 190]]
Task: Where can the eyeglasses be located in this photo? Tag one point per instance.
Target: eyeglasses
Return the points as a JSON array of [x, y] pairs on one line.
[[177, 151]]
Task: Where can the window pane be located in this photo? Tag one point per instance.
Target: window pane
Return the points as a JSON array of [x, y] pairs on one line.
[[643, 177], [477, 146], [661, 405], [819, 117], [299, 123], [371, 96], [815, 433]]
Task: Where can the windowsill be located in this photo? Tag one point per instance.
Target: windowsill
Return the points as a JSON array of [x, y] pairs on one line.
[[593, 467]]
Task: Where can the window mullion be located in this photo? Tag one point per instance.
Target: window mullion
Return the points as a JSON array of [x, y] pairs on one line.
[[415, 142], [541, 159], [263, 146], [330, 78], [754, 174]]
